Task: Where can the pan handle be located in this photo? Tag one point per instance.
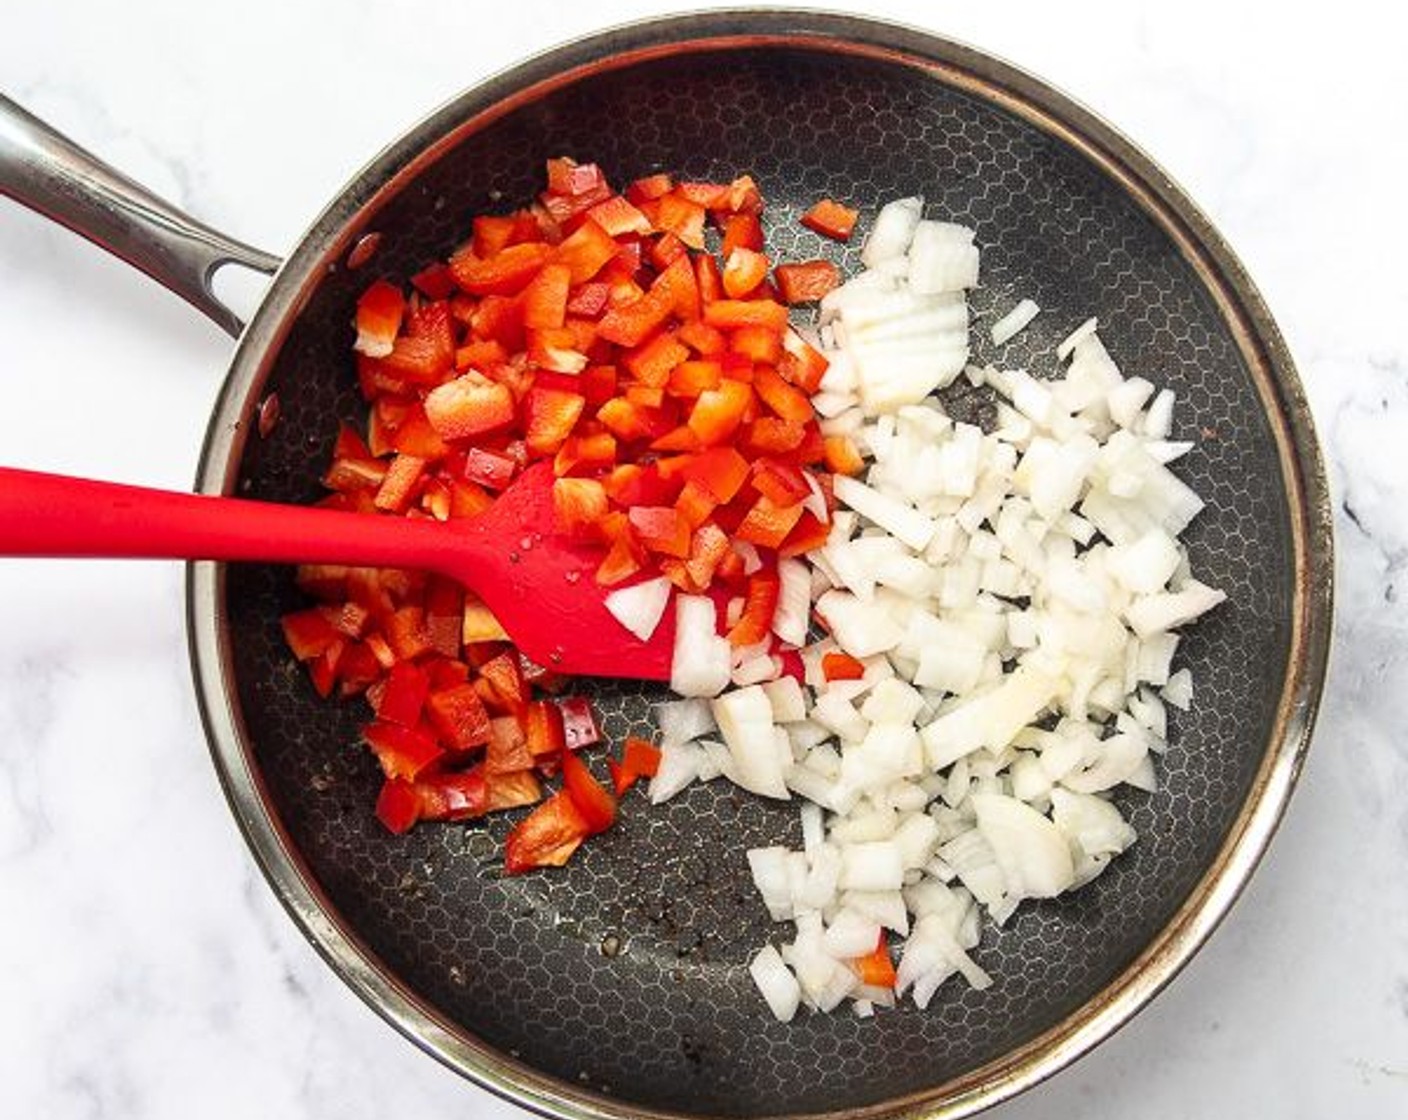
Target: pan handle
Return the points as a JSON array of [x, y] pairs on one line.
[[49, 173]]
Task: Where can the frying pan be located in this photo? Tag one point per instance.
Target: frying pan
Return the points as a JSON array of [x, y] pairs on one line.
[[618, 986]]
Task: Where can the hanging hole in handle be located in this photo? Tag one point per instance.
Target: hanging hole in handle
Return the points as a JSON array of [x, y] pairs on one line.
[[239, 287]]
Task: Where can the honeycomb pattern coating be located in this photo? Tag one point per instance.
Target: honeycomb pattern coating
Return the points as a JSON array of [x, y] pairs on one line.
[[625, 971]]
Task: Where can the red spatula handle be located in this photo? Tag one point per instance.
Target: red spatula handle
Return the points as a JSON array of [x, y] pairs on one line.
[[54, 515]]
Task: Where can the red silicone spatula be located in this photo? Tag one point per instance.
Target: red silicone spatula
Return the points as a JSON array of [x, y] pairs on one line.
[[539, 584]]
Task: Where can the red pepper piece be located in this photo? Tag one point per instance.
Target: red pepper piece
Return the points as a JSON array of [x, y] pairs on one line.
[[841, 667], [639, 759], [586, 251], [545, 297], [404, 696], [802, 364], [807, 281], [507, 750], [505, 273], [578, 506], [309, 633], [398, 805], [511, 791], [717, 413], [549, 416], [741, 231], [458, 716], [767, 524], [434, 281], [730, 314], [579, 723], [468, 406], [744, 270], [758, 609], [661, 529], [379, 311], [618, 216], [402, 751], [453, 796], [397, 487], [545, 731], [547, 837], [876, 968], [595, 803], [504, 676], [830, 219]]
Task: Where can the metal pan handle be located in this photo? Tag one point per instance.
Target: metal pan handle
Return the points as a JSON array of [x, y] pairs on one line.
[[49, 173]]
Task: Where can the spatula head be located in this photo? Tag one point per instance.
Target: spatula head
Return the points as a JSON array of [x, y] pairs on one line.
[[541, 585]]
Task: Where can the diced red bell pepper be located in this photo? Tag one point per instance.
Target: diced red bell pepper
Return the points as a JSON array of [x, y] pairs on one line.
[[661, 529], [722, 470], [586, 452], [876, 968], [807, 281], [696, 503], [785, 400], [468, 406], [781, 483], [379, 311], [771, 435], [309, 633], [586, 251], [680, 285], [842, 457], [578, 506], [345, 476], [841, 667], [767, 524], [652, 363], [593, 801], [415, 435], [681, 216], [730, 314], [407, 634], [571, 179], [434, 281], [453, 796], [547, 837], [494, 233], [618, 216], [398, 805], [556, 349], [579, 723], [549, 416], [744, 270], [544, 731], [802, 364], [741, 231], [649, 188], [639, 759], [692, 377], [589, 299], [717, 413], [489, 468], [458, 716], [394, 493], [629, 324], [402, 751], [830, 219], [704, 340], [545, 297], [500, 319], [504, 676], [758, 609], [406, 689], [503, 274], [444, 615], [511, 791], [708, 280], [507, 750]]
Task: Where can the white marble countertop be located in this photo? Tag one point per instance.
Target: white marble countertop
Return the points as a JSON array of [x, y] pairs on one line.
[[147, 969]]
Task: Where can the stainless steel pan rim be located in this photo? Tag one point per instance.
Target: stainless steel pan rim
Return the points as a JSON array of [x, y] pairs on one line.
[[326, 244]]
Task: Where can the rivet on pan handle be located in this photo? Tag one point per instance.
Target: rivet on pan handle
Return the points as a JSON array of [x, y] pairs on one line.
[[49, 173]]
